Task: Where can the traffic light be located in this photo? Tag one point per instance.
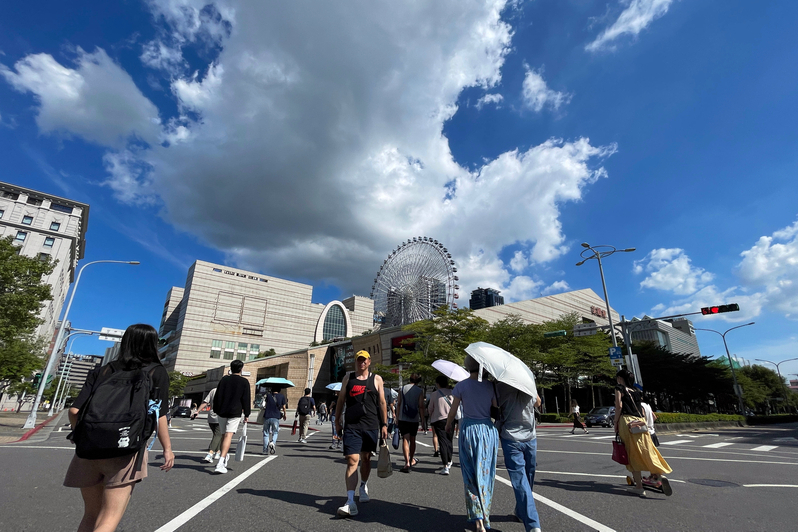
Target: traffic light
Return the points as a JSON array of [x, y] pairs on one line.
[[719, 309], [37, 379]]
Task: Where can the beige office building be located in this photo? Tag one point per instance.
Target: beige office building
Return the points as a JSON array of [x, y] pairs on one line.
[[225, 313], [43, 225]]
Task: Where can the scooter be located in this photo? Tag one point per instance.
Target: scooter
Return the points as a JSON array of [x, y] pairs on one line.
[[662, 485]]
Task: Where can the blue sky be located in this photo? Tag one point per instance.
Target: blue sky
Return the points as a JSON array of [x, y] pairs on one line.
[[307, 140]]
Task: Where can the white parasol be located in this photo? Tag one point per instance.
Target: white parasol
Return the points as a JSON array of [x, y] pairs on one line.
[[335, 386], [451, 370], [505, 367]]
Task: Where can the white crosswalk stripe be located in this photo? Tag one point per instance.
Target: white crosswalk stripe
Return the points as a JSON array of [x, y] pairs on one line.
[[676, 442], [601, 437], [718, 445], [765, 448]]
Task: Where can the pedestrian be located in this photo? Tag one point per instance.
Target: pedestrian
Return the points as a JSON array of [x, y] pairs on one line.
[[575, 415], [518, 439], [439, 405], [305, 408], [650, 418], [336, 439], [106, 484], [643, 455], [232, 399], [478, 442], [410, 410], [213, 424], [435, 450], [390, 402], [322, 413], [365, 416], [274, 405]]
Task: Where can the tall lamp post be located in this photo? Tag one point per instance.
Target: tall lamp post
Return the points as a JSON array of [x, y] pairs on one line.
[[737, 390], [31, 421], [781, 380], [598, 253]]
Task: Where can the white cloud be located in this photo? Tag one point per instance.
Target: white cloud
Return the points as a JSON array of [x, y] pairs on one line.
[[670, 269], [97, 100], [771, 265], [635, 18], [538, 95], [159, 55], [496, 99], [556, 288], [312, 155], [519, 262], [751, 305]]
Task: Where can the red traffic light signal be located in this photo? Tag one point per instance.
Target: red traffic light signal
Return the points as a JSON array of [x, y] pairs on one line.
[[719, 309]]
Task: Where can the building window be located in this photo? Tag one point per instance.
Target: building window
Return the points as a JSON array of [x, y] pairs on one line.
[[216, 349], [44, 256], [229, 350], [253, 332], [9, 195], [49, 241], [21, 235], [55, 226], [334, 323], [27, 220], [34, 201], [1, 213], [242, 351], [61, 208]]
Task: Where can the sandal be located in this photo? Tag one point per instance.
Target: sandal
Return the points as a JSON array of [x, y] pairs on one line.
[[414, 463], [405, 469]]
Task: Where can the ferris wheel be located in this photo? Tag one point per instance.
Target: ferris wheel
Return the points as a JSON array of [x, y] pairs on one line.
[[417, 278]]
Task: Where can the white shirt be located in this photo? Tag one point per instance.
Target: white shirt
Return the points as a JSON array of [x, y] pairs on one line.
[[649, 417], [575, 410]]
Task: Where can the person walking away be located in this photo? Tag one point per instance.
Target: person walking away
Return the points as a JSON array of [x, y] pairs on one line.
[[365, 418], [322, 414], [575, 415], [304, 409], [106, 483], [478, 442], [274, 405], [233, 398], [518, 439], [650, 418], [390, 402], [410, 409], [213, 423], [439, 405], [643, 455]]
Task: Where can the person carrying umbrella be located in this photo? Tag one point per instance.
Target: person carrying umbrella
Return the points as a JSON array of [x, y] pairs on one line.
[[478, 443]]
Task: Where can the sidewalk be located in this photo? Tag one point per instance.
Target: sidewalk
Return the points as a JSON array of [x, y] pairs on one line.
[[11, 423]]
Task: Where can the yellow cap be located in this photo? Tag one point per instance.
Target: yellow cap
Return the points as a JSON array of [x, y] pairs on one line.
[[364, 354]]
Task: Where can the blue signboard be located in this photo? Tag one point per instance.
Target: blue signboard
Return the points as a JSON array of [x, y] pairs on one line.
[[616, 353]]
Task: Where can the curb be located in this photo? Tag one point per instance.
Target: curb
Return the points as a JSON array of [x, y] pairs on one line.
[[36, 429]]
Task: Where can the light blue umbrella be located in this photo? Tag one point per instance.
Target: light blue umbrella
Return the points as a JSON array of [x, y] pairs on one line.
[[335, 386], [275, 381]]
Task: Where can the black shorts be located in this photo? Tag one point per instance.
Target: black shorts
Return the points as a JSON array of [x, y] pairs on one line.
[[358, 440], [408, 427]]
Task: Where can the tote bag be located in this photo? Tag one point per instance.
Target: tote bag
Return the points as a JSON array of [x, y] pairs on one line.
[[619, 452], [241, 446], [384, 465]]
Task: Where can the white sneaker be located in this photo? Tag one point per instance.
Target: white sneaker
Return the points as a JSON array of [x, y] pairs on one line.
[[364, 494], [217, 455], [348, 510], [272, 449], [208, 458], [443, 471], [220, 467], [303, 440]]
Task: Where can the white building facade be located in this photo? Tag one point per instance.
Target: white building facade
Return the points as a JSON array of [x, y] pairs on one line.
[[44, 225]]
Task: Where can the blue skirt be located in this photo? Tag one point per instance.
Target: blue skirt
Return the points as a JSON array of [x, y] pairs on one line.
[[479, 447]]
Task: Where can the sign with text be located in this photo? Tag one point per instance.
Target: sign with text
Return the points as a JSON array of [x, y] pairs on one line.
[[616, 353]]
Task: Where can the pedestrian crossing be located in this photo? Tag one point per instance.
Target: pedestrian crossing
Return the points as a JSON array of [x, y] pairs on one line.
[[693, 440]]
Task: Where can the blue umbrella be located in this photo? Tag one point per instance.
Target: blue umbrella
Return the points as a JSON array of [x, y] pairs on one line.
[[275, 381], [335, 386]]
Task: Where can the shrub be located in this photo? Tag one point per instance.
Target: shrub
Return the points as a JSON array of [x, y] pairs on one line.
[[678, 417], [769, 420]]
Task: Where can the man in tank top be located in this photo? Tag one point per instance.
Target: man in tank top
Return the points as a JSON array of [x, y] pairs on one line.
[[365, 417]]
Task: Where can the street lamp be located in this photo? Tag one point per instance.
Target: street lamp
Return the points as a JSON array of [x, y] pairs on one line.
[[781, 380], [598, 254], [737, 390], [31, 421]]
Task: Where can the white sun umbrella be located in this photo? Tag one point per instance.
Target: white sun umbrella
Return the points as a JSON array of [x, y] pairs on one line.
[[451, 370], [335, 386], [505, 367]]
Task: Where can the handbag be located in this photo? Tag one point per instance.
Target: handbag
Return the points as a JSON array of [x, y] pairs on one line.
[[395, 441], [619, 452], [636, 427], [241, 446], [294, 427], [384, 465]]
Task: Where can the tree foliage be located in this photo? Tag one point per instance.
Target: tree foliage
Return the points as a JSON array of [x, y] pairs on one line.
[[263, 354], [177, 383]]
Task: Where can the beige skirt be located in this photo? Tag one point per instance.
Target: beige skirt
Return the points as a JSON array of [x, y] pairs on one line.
[[111, 472], [643, 454]]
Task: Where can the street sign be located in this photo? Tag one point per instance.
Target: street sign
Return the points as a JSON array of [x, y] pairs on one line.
[[551, 334], [111, 335], [585, 329], [617, 362], [616, 353]]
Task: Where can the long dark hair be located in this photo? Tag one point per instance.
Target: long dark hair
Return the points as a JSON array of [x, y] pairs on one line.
[[139, 346], [628, 378]]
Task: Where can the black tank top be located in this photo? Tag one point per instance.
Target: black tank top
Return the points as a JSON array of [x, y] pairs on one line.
[[362, 403]]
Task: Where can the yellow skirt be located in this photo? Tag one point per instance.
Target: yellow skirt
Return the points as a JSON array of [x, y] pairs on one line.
[[643, 454]]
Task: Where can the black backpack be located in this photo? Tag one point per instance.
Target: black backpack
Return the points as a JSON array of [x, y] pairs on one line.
[[303, 407], [117, 418]]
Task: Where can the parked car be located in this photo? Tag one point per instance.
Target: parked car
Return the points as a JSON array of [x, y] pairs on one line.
[[602, 415], [182, 411]]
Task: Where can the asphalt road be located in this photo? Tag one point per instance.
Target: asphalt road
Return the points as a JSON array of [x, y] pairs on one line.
[[740, 479]]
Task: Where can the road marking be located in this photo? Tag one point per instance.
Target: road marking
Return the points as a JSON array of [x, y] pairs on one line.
[[765, 448], [601, 437], [594, 525], [594, 475], [769, 462], [718, 445], [676, 442], [422, 443], [192, 512], [770, 485]]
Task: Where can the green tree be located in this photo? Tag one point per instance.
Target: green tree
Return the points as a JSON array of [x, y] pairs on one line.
[[764, 390], [177, 383], [263, 354], [23, 293]]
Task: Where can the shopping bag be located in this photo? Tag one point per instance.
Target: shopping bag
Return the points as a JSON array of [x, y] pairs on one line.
[[384, 465], [294, 427], [241, 446], [395, 441], [619, 452]]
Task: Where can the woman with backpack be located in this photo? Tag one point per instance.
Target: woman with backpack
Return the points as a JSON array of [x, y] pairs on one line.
[[110, 460]]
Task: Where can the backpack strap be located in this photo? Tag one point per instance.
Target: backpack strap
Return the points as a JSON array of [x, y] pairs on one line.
[[153, 408]]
